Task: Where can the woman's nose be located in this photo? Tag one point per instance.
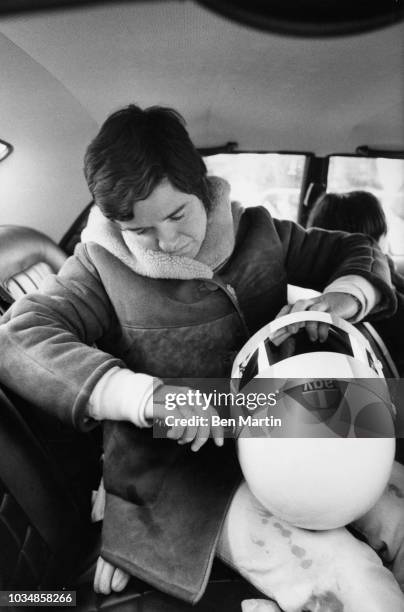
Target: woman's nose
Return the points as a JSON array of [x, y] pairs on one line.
[[167, 240], [167, 247]]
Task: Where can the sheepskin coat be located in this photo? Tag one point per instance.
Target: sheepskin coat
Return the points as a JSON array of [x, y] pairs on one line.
[[165, 504]]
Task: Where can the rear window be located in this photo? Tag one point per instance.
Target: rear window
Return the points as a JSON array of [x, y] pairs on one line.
[[384, 178], [273, 180]]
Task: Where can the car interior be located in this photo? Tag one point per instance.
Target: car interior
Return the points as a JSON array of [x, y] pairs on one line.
[[286, 103]]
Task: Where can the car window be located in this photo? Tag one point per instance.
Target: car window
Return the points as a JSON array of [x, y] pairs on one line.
[[273, 180], [384, 178]]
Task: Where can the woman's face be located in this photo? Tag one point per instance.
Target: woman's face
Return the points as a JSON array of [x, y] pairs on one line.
[[169, 221]]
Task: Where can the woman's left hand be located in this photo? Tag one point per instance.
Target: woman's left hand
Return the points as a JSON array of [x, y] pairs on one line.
[[340, 304]]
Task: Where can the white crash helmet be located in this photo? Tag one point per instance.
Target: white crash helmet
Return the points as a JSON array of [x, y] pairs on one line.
[[329, 460]]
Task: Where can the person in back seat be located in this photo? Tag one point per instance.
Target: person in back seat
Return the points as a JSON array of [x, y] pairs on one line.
[[169, 282], [361, 211]]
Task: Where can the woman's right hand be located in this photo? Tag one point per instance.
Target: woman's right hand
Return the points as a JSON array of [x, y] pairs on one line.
[[183, 432]]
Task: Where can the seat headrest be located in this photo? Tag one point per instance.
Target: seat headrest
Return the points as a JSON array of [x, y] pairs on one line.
[[26, 256]]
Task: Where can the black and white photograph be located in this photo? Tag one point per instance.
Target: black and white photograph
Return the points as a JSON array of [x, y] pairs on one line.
[[202, 305]]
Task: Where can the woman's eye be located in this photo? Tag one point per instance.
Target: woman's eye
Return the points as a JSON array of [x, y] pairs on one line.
[[177, 217], [139, 230]]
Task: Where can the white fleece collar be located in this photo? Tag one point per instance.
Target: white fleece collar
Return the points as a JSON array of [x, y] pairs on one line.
[[215, 250]]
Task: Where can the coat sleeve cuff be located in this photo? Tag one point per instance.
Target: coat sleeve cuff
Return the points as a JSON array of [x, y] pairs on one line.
[[361, 289], [122, 395]]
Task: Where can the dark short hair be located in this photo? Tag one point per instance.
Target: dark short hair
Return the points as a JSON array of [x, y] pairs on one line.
[[134, 151], [353, 211]]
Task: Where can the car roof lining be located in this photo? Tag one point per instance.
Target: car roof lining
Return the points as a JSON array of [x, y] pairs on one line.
[[229, 81]]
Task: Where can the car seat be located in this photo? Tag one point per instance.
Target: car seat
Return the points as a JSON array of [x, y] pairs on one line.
[[26, 258]]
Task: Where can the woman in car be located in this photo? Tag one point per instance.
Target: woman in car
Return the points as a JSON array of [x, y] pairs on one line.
[[169, 281]]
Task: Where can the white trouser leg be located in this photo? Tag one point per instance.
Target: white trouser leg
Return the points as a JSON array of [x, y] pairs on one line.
[[383, 525], [327, 571]]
